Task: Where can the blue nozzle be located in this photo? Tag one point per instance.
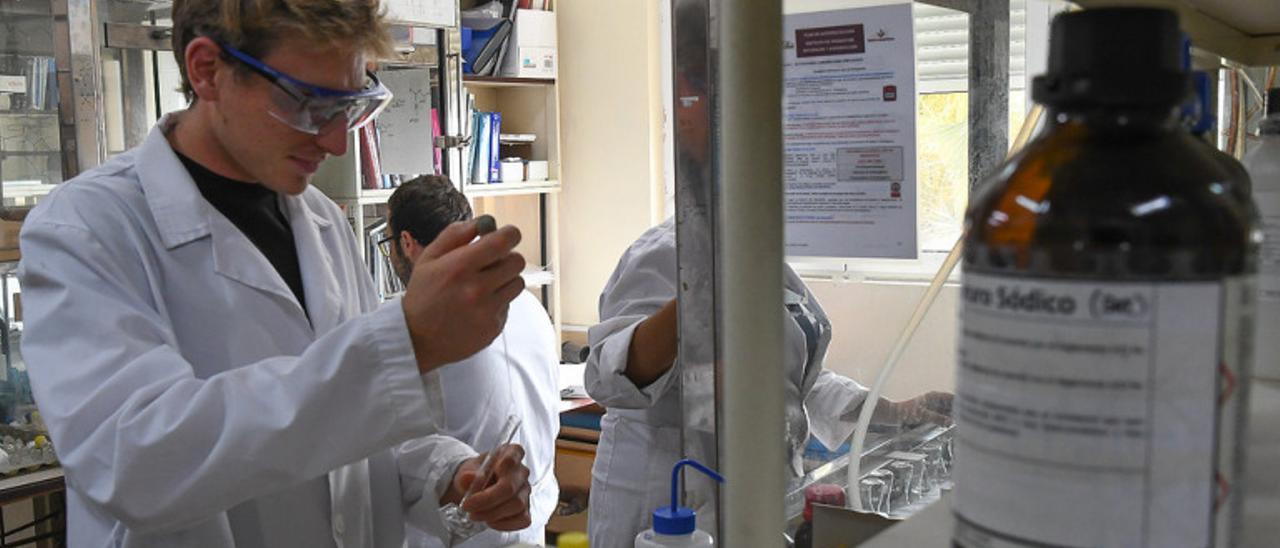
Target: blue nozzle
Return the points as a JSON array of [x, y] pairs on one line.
[[678, 520], [1186, 52], [675, 478], [1198, 112]]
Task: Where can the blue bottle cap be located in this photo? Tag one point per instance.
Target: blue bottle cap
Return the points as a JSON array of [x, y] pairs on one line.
[[674, 521], [1204, 104]]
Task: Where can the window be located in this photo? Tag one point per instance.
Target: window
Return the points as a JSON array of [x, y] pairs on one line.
[[942, 65]]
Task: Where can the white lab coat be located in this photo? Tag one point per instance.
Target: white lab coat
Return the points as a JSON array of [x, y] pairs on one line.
[[191, 401], [640, 437], [481, 391]]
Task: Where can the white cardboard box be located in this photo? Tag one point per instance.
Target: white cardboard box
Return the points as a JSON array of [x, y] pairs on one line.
[[512, 171], [537, 170], [531, 50], [13, 84]]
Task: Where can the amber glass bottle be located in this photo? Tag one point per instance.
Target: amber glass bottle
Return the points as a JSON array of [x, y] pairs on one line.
[[1106, 312]]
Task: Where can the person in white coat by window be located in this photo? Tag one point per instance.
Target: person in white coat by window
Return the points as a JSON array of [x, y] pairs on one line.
[[203, 342], [630, 371], [515, 375]]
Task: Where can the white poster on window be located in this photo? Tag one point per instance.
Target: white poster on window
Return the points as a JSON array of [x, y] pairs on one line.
[[849, 127]]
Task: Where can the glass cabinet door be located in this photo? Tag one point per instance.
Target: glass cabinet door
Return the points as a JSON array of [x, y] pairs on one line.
[[30, 146]]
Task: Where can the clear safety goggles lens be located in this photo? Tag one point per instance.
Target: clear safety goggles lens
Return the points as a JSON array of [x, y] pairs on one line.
[[313, 114]]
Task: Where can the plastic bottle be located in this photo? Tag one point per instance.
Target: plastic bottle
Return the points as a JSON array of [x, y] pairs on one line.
[[1263, 164], [1105, 312], [820, 493], [676, 526]]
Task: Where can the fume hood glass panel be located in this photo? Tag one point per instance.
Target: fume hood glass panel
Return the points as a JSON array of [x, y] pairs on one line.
[[30, 148]]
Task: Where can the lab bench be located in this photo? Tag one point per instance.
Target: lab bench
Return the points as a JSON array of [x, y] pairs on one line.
[[575, 454], [932, 527], [44, 516]]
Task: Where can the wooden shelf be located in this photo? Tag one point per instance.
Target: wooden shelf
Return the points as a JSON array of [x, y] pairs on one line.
[[24, 9], [25, 113], [366, 197], [377, 196], [1245, 31], [30, 484], [505, 82], [16, 153], [525, 188]]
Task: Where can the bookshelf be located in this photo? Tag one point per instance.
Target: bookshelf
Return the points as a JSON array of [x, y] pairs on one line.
[[528, 106]]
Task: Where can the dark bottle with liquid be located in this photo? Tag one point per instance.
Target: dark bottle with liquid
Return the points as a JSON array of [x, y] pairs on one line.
[[1107, 309]]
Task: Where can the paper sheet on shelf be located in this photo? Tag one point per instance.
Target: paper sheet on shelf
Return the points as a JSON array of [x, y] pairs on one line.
[[405, 125], [426, 12]]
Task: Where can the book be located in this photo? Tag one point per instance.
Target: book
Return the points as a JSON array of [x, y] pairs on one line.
[[495, 160], [435, 134], [483, 156], [371, 175]]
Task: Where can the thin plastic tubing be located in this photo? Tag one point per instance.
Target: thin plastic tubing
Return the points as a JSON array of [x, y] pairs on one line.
[[904, 339], [675, 479]]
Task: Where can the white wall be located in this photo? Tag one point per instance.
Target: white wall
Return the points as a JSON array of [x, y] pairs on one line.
[[866, 319], [611, 141]]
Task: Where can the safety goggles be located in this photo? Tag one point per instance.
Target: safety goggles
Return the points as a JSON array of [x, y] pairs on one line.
[[310, 108]]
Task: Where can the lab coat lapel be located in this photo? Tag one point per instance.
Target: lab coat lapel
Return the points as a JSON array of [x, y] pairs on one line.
[[183, 215], [320, 284], [235, 257]]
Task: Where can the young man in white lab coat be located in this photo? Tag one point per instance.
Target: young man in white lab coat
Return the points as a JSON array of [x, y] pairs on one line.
[[203, 341], [631, 372], [515, 375]]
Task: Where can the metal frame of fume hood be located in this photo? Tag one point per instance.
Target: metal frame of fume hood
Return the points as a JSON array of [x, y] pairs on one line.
[[729, 222]]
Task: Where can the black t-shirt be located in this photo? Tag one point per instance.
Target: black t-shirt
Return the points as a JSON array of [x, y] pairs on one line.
[[255, 210]]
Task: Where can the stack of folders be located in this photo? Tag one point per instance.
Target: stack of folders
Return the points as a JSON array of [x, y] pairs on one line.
[[378, 259], [490, 31], [485, 154]]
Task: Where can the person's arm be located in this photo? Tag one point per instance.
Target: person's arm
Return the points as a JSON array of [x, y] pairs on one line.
[[930, 407], [653, 347], [633, 348], [835, 401]]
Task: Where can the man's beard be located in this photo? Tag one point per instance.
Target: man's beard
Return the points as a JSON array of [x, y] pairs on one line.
[[403, 267]]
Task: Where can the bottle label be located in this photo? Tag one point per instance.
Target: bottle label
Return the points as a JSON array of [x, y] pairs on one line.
[[1269, 258], [1100, 414]]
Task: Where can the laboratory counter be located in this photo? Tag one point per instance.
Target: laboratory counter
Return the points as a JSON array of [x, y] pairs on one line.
[[933, 526]]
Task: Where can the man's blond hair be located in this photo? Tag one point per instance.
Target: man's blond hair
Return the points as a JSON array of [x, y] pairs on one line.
[[256, 26]]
